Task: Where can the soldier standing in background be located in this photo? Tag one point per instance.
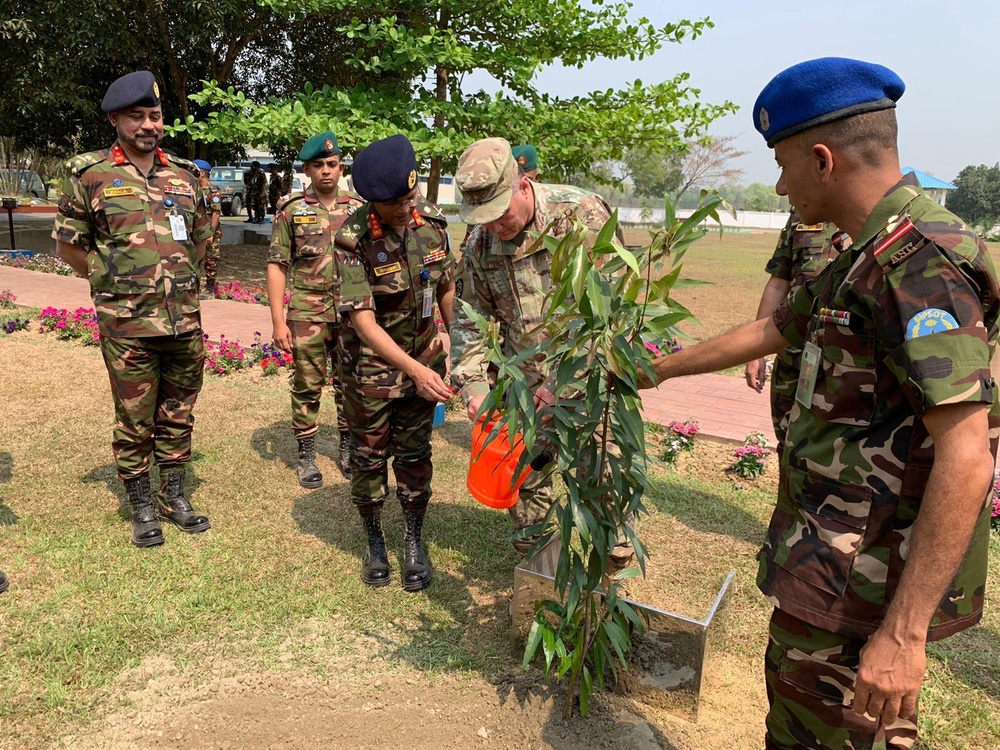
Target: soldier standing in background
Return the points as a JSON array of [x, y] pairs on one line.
[[880, 536], [802, 253], [255, 184], [286, 180], [131, 221], [273, 189], [506, 284], [302, 243], [400, 265], [211, 196]]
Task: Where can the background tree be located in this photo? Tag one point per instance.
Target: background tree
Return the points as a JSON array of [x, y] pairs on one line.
[[761, 197], [653, 173], [708, 163], [977, 197], [434, 46]]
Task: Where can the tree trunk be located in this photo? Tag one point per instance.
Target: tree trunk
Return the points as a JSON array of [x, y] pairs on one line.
[[441, 94]]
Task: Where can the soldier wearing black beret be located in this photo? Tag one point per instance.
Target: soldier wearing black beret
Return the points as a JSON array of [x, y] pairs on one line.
[[399, 263], [133, 221]]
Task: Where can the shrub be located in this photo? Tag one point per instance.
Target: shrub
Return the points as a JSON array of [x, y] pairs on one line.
[[80, 325], [679, 439], [225, 357], [43, 263], [995, 515], [751, 457], [10, 323], [7, 298]]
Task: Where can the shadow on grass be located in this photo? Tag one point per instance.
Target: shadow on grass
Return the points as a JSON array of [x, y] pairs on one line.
[[703, 511], [457, 431], [973, 656], [276, 442], [108, 476]]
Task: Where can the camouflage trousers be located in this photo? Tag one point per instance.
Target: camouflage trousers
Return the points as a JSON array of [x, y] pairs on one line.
[[784, 381], [810, 676], [155, 382], [314, 345], [211, 260], [381, 428], [255, 204]]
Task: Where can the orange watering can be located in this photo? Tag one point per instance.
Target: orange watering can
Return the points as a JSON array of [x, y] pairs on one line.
[[492, 465]]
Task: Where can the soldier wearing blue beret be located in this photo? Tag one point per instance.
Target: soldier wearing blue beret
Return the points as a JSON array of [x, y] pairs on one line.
[[879, 539], [398, 265]]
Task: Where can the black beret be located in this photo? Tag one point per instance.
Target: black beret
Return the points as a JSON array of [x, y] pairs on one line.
[[386, 170], [137, 89]]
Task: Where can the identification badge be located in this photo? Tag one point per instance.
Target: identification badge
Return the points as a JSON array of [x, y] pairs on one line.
[[808, 373], [305, 219], [115, 192], [428, 308], [178, 229], [391, 268]]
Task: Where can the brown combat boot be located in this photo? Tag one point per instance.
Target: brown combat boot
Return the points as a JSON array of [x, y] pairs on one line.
[[308, 472], [207, 291], [146, 531], [173, 506]]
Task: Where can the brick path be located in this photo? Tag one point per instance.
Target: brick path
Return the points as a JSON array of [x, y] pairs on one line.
[[724, 407]]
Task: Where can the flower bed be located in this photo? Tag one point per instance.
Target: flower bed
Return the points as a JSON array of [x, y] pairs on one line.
[[43, 263], [79, 325], [751, 457], [238, 292], [229, 356], [995, 515]]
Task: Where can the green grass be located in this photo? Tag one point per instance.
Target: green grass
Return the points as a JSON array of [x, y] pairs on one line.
[[274, 585]]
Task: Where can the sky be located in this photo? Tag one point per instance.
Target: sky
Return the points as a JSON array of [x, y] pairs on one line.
[[947, 53]]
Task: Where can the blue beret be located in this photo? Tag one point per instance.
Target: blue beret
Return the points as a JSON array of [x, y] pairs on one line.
[[526, 156], [137, 89], [320, 146], [386, 170], [203, 165], [820, 91]]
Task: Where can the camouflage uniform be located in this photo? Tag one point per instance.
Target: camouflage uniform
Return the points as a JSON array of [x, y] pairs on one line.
[[505, 284], [256, 185], [274, 191], [145, 289], [857, 460], [213, 205], [303, 243], [802, 253], [388, 274]]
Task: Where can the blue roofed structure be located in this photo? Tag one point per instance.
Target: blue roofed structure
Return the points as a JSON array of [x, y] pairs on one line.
[[934, 187]]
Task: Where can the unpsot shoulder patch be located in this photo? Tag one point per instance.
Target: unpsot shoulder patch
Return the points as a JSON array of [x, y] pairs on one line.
[[930, 321]]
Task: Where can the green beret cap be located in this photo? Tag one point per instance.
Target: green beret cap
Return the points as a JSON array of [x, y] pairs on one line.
[[526, 157], [320, 146]]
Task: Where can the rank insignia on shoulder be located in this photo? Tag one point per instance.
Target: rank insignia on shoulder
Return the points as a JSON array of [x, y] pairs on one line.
[[930, 321], [391, 268], [892, 237], [115, 192], [375, 225]]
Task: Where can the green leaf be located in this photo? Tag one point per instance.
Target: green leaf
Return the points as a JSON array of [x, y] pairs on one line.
[[534, 639]]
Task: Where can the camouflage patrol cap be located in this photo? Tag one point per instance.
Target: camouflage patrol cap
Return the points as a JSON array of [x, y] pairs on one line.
[[320, 146], [136, 89], [526, 156], [819, 91], [485, 175]]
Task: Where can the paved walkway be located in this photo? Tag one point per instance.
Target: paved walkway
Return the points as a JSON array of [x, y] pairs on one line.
[[724, 407]]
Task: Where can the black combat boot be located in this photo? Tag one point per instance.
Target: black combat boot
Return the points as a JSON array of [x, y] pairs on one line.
[[208, 291], [375, 569], [310, 476], [4, 583], [344, 456], [417, 571], [173, 506], [146, 531]]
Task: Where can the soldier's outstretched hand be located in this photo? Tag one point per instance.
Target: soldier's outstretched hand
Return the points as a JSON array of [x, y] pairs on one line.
[[430, 385]]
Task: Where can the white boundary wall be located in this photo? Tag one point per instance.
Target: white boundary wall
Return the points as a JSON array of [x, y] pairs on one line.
[[743, 220]]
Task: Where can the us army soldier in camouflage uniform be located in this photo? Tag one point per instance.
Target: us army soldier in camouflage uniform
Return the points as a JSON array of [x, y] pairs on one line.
[[211, 196], [302, 243], [802, 253], [132, 221], [879, 539], [401, 265], [506, 283]]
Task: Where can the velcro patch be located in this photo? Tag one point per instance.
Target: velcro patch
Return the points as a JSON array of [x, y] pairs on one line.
[[930, 321]]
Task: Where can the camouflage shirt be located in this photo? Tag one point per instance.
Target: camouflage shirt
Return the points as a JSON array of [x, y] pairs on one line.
[[303, 242], [390, 275], [143, 281], [213, 205], [803, 251], [505, 283], [906, 320]]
